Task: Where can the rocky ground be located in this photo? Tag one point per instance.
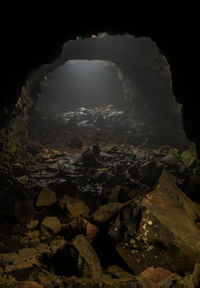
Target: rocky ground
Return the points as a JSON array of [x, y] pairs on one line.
[[91, 210]]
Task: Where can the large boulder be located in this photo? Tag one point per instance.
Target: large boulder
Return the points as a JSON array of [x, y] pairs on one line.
[[169, 224], [168, 235]]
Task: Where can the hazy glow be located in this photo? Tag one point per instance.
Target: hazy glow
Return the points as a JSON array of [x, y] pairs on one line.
[[81, 83]]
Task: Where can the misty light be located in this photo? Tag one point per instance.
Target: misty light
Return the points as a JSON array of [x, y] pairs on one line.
[[81, 83]]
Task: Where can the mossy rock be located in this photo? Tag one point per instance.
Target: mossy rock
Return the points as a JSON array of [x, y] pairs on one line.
[[188, 159]]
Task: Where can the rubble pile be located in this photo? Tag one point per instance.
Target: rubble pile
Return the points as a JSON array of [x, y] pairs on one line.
[[128, 126], [94, 211]]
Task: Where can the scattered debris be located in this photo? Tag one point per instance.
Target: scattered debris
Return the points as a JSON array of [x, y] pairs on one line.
[[98, 205]]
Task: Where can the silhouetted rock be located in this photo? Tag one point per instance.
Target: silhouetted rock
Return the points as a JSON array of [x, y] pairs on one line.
[[149, 173], [24, 211], [192, 187], [90, 160]]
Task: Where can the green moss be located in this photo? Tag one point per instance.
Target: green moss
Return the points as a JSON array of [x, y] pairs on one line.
[[188, 158], [111, 149]]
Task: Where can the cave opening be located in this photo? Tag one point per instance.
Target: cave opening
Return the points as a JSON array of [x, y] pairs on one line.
[[101, 135]]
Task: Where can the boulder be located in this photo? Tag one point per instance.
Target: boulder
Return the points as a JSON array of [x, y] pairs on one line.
[[168, 234], [47, 197], [154, 275], [90, 160], [169, 224], [149, 173], [32, 224], [74, 206], [24, 211], [188, 159], [170, 159], [91, 267], [50, 224], [133, 172], [107, 211]]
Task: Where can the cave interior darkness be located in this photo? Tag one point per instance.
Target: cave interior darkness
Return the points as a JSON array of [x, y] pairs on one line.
[[99, 168]]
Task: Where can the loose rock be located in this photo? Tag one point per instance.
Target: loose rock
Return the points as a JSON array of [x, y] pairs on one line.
[[46, 197], [92, 267], [50, 224], [75, 206]]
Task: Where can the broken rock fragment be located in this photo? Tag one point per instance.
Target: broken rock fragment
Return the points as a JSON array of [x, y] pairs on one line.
[[47, 197], [91, 267]]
